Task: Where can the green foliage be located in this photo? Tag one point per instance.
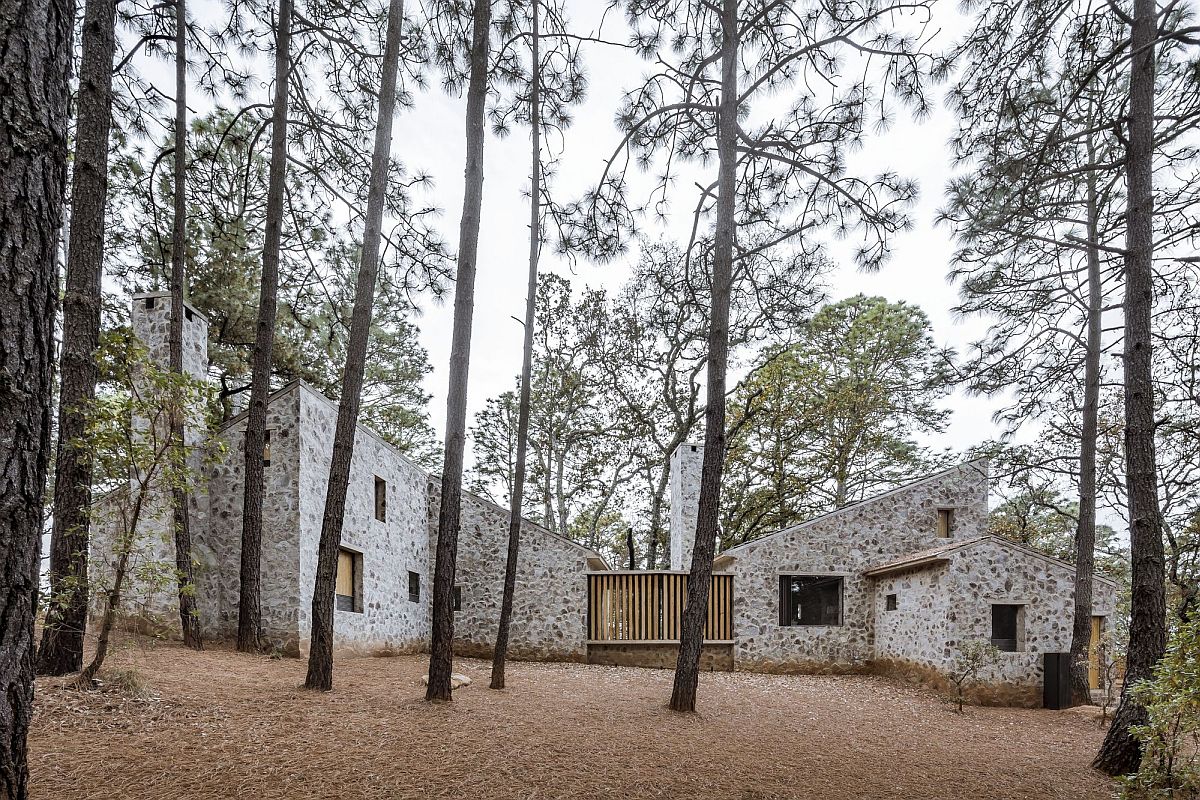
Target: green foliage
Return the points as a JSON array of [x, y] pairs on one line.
[[1171, 735], [833, 418], [226, 218], [973, 658], [1038, 516]]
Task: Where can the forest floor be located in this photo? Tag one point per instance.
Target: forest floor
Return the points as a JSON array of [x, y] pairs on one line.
[[219, 724]]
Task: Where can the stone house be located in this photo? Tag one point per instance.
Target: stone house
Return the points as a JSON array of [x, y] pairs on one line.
[[895, 583], [385, 566]]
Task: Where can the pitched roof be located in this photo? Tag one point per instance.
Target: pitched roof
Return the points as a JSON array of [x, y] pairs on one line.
[[913, 483], [939, 555]]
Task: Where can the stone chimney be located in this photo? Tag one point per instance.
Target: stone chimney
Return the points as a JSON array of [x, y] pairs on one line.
[[686, 462], [151, 321]]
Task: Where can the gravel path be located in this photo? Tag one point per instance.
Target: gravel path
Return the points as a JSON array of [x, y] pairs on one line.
[[224, 725]]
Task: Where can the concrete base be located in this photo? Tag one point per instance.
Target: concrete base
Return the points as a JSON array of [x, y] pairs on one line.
[[658, 655]]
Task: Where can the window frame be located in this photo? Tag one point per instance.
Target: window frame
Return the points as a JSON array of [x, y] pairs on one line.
[[356, 578], [456, 598], [786, 608], [1017, 640], [414, 587], [380, 498], [891, 602], [945, 513]]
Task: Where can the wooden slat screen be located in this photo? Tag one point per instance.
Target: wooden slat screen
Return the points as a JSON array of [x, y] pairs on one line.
[[648, 607]]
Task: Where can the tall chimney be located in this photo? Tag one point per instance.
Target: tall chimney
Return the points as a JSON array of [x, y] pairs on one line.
[[686, 462]]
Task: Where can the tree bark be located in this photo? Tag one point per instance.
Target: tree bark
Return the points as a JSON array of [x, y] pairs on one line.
[[113, 604], [500, 652], [441, 654], [188, 618], [320, 653], [1121, 752], [249, 606], [687, 668], [61, 649], [35, 65], [1085, 532]]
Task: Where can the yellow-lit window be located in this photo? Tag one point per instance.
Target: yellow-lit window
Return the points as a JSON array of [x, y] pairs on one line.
[[348, 586]]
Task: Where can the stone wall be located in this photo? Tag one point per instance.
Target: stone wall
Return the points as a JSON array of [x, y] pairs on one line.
[[389, 621], [843, 543], [991, 572], [919, 628], [686, 463], [220, 548], [549, 620]]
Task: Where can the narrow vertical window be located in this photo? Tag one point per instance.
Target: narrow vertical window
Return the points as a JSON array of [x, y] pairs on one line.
[[266, 448], [456, 598], [945, 522], [347, 592], [892, 603], [414, 587], [380, 499]]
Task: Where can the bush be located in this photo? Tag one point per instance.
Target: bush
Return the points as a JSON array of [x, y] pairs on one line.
[[1171, 735]]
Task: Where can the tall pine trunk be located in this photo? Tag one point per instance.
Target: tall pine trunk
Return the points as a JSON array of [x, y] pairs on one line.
[[249, 607], [691, 639], [320, 652], [61, 649], [1121, 752], [441, 653], [1085, 532], [188, 618], [35, 64], [535, 210]]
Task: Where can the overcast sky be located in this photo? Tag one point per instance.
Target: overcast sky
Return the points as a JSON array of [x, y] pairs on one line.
[[431, 137]]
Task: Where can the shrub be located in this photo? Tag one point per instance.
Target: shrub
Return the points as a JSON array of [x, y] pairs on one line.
[[1170, 736]]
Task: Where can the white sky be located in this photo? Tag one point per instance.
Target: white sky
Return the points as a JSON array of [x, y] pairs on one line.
[[431, 137]]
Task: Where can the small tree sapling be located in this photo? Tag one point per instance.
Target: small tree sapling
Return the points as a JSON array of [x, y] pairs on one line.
[[974, 656]]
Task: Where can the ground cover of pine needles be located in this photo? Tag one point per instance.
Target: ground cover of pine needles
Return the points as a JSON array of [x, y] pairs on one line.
[[170, 723]]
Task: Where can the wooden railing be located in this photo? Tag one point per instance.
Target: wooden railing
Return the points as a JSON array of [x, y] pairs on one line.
[[648, 607]]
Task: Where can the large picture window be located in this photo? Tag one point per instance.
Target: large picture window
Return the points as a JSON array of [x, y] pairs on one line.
[[810, 600]]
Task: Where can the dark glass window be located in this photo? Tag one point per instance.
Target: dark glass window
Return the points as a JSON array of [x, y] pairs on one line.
[[1005, 627], [810, 600], [266, 448], [380, 499], [891, 602], [456, 598], [414, 587]]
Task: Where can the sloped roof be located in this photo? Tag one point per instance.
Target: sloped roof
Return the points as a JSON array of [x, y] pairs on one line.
[[852, 506], [301, 384], [935, 556]]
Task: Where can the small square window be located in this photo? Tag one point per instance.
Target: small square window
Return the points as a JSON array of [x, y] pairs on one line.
[[945, 522], [1007, 622], [266, 448], [348, 588], [892, 604], [380, 499], [151, 302], [456, 598], [414, 587], [810, 600]]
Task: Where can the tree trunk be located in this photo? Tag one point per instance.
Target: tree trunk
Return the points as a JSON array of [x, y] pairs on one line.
[[687, 668], [441, 653], [320, 652], [35, 64], [188, 618], [113, 605], [249, 607], [629, 549], [500, 652], [1085, 533], [1121, 752], [66, 615]]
